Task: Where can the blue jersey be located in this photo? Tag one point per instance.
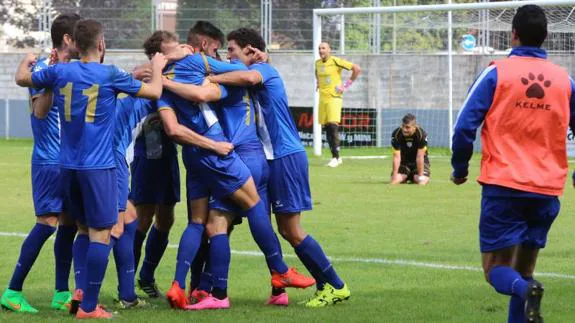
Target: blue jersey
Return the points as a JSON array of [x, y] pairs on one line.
[[46, 131], [237, 116], [85, 94], [192, 70], [276, 126], [131, 113]]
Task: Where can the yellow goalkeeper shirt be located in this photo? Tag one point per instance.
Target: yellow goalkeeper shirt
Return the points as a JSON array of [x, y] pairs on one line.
[[328, 74]]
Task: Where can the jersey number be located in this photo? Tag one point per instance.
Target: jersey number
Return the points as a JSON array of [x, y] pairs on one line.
[[248, 108], [91, 93]]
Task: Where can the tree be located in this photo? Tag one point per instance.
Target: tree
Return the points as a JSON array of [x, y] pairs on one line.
[[22, 16], [126, 22]]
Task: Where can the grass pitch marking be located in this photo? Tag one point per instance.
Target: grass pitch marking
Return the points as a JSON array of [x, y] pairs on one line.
[[382, 261]]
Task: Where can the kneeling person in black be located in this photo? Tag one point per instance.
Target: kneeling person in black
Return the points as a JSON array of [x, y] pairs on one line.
[[410, 162]]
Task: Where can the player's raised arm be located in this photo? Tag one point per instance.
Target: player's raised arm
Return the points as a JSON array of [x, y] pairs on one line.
[[238, 78], [23, 74], [206, 93], [153, 90]]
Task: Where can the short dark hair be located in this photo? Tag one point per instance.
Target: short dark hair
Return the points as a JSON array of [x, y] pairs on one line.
[[247, 36], [86, 34], [62, 25], [153, 44], [408, 118], [204, 28], [530, 25]]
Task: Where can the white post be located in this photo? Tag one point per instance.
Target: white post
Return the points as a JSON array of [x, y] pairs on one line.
[[377, 29], [316, 126], [450, 71], [341, 35], [270, 32], [7, 119]]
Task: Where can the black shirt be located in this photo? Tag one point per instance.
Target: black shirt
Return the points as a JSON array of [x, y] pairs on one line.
[[409, 145]]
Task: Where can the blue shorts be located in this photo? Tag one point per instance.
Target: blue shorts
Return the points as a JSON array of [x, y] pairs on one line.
[[155, 181], [507, 221], [208, 174], [46, 191], [123, 174], [257, 164], [91, 196], [288, 186]]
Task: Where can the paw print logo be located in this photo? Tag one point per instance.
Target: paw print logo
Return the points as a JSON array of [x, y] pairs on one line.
[[536, 89]]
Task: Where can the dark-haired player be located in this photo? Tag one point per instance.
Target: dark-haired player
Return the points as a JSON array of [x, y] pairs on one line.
[[410, 162]]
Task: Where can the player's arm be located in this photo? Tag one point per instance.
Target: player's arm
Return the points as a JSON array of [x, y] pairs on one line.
[[396, 154], [23, 73], [238, 78], [471, 116], [355, 71], [185, 136], [420, 159], [205, 93], [153, 90], [213, 66], [42, 103]]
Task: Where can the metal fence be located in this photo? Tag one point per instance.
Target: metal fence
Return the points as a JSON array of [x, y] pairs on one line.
[[285, 24]]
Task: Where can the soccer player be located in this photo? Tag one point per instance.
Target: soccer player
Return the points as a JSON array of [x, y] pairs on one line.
[[328, 76], [237, 117], [131, 115], [223, 175], [45, 185], [288, 184], [525, 104], [155, 189], [410, 162], [85, 93]]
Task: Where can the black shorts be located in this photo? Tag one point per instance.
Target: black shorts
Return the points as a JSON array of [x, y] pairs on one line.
[[411, 170]]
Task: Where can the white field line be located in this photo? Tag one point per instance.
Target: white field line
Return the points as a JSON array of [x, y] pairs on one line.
[[382, 261], [385, 157]]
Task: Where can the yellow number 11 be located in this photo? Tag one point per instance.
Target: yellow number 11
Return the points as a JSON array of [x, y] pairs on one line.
[[91, 93]]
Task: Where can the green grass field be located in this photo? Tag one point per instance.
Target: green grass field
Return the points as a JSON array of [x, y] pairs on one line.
[[408, 253]]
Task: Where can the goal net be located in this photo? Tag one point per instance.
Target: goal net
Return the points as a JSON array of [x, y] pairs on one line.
[[407, 66]]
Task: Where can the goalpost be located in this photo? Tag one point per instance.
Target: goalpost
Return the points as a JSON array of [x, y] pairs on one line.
[[421, 59]]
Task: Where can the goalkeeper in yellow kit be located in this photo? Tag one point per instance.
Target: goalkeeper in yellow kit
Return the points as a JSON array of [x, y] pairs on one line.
[[328, 74]]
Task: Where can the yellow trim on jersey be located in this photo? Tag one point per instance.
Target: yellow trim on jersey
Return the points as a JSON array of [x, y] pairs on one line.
[[122, 95], [140, 90], [206, 64], [165, 108]]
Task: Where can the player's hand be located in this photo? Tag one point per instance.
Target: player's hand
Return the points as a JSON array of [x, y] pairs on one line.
[[342, 88], [142, 72], [222, 148], [159, 61], [182, 51], [53, 57], [458, 181], [29, 59], [166, 82], [259, 56]]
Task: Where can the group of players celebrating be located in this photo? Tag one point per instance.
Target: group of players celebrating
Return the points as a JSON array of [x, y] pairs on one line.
[[93, 123]]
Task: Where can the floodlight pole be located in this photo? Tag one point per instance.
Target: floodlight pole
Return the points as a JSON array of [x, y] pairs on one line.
[[450, 71], [316, 125]]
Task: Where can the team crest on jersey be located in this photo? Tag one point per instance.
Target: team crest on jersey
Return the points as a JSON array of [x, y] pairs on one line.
[[409, 144], [278, 203]]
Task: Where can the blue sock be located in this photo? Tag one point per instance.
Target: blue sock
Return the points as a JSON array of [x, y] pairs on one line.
[[507, 281], [138, 243], [206, 279], [314, 255], [517, 307], [124, 257], [155, 247], [63, 255], [197, 268], [264, 235], [96, 263], [79, 252], [189, 244], [28, 253], [220, 257]]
